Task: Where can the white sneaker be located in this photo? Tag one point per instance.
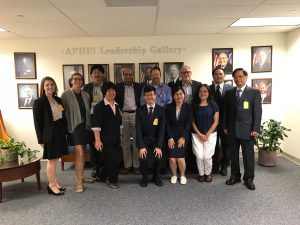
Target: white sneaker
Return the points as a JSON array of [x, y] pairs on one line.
[[183, 180], [173, 180]]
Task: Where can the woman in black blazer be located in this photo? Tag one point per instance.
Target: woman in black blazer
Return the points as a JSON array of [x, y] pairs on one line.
[[179, 117], [51, 129]]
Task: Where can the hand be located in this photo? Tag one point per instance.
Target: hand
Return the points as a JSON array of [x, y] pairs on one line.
[[181, 142], [99, 146], [254, 134], [225, 131], [207, 135], [143, 153], [157, 152], [202, 137], [42, 145], [171, 143]]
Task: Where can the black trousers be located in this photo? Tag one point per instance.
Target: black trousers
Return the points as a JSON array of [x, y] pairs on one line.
[[112, 158], [222, 151], [248, 158], [144, 163]]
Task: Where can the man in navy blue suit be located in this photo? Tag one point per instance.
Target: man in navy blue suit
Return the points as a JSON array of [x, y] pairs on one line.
[[218, 90], [150, 132], [241, 123]]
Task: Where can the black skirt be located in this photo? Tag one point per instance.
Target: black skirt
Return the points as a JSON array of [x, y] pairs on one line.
[[58, 145], [80, 136], [177, 152]]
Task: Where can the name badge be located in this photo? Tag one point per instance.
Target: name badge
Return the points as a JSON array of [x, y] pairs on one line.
[[96, 98], [155, 122], [60, 107], [246, 105]]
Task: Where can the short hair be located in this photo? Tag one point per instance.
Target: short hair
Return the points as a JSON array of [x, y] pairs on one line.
[[176, 89], [237, 69], [127, 68], [106, 86], [73, 75], [197, 99], [149, 88], [155, 68], [42, 91], [97, 67], [217, 68]]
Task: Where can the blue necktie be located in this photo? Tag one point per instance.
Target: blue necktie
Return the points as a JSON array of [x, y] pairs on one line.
[[237, 96]]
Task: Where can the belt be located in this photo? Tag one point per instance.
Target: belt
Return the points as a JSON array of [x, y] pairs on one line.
[[129, 111]]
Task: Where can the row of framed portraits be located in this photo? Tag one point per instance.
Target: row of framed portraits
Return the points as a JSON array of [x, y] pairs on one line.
[[27, 93]]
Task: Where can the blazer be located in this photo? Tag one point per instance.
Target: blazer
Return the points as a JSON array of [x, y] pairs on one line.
[[43, 119], [244, 117], [109, 123], [181, 127], [195, 85], [147, 133], [121, 91]]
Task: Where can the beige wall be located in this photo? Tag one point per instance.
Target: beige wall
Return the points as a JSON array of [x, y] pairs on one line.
[[51, 54]]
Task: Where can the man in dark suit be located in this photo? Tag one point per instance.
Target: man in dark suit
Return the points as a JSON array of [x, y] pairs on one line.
[[224, 63], [218, 90], [94, 90], [128, 98], [262, 64], [241, 122], [150, 132], [28, 100]]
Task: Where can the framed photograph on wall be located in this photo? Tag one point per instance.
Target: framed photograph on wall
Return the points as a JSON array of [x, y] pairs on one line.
[[229, 81], [118, 69], [68, 70], [261, 59], [223, 58], [27, 93], [172, 71], [105, 75], [144, 73], [264, 85], [25, 67]]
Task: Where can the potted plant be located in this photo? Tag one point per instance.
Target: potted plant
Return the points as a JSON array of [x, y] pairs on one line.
[[12, 150], [268, 142]]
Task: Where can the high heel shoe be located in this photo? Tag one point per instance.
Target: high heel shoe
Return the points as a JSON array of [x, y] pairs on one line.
[[62, 189], [51, 192]]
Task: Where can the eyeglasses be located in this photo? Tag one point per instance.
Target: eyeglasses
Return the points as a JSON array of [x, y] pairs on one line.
[[185, 72]]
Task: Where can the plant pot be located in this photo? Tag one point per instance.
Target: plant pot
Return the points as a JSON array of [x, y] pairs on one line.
[[9, 157], [266, 158]]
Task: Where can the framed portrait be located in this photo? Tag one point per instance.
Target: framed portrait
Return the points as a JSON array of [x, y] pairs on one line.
[[261, 59], [264, 85], [144, 73], [223, 58], [27, 93], [118, 68], [229, 81], [105, 75], [25, 67], [172, 71], [68, 70]]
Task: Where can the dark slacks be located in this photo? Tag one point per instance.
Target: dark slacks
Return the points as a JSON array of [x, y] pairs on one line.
[[222, 151], [95, 155], [248, 158], [111, 167], [144, 163]]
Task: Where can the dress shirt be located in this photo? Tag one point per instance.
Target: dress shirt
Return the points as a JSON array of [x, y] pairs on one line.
[[129, 98], [112, 106], [221, 87], [27, 101], [163, 95], [188, 92], [96, 92]]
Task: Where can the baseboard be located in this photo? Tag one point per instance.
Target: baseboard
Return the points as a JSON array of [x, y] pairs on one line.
[[290, 157]]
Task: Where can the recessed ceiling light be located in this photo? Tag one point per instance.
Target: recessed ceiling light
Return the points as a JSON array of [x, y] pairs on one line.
[[2, 30], [267, 21]]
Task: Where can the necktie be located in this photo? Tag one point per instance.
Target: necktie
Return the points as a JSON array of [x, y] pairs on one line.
[[237, 96], [150, 114], [218, 93]]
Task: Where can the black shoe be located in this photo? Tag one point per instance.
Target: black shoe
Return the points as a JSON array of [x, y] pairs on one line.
[[51, 192], [112, 185], [233, 181], [157, 181], [94, 173], [250, 185], [143, 182], [62, 189], [223, 171]]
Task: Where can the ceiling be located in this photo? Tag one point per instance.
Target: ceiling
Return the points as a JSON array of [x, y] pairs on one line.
[[107, 18]]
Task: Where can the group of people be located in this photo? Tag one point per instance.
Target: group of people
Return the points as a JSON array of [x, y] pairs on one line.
[[159, 123]]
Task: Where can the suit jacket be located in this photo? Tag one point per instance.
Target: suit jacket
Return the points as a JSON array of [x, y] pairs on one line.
[[182, 126], [239, 119], [265, 67], [109, 123], [148, 134], [220, 102], [227, 69], [30, 104], [195, 85], [121, 91], [43, 119], [89, 88]]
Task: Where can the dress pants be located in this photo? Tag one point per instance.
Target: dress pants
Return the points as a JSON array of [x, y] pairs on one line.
[[95, 155], [248, 158], [112, 160], [222, 149], [130, 155], [156, 163]]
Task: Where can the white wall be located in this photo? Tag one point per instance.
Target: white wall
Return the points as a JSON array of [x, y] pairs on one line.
[[52, 53]]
